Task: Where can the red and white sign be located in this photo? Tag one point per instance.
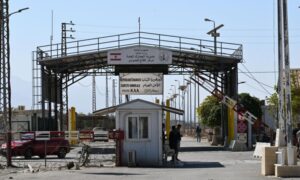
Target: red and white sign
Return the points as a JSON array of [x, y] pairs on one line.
[[139, 55], [115, 56]]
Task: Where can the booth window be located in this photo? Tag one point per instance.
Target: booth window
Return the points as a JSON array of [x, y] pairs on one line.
[[138, 127]]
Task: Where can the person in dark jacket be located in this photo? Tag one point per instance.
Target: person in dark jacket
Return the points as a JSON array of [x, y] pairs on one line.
[[198, 133], [178, 140], [173, 141]]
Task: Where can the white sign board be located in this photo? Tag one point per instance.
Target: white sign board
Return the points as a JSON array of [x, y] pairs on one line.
[[141, 83], [242, 137], [139, 55]]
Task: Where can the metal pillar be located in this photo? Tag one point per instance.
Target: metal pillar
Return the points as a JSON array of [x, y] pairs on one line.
[[114, 99], [61, 102], [195, 105], [5, 90], [106, 91], [65, 77], [49, 83], [198, 99], [288, 100], [234, 93], [57, 124], [187, 108], [281, 123], [43, 95], [190, 107], [223, 113], [94, 93], [66, 101]]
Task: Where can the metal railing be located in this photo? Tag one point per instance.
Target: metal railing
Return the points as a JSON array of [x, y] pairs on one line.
[[177, 43]]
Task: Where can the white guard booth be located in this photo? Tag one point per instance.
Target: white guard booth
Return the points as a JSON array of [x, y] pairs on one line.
[[141, 122]]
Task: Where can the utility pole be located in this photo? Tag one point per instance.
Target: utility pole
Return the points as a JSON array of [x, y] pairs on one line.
[[179, 96], [114, 92], [195, 103], [5, 94], [198, 99], [64, 78], [280, 70], [139, 21], [288, 99], [64, 36], [94, 106], [190, 128], [106, 90], [183, 89], [5, 86], [285, 113]]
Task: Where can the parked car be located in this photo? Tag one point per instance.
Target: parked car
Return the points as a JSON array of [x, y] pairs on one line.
[[32, 147], [100, 134]]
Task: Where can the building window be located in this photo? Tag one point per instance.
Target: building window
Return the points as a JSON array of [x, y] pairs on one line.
[[138, 127]]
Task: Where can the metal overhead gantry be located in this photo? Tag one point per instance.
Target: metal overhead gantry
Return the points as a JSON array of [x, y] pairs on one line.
[[88, 57]]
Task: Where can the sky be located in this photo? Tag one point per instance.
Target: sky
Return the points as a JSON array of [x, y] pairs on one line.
[[250, 23]]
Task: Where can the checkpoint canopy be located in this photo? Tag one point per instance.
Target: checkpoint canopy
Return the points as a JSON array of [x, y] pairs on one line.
[[58, 66]]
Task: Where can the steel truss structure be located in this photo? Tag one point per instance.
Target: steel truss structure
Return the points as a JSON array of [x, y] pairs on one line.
[[4, 64], [5, 90], [55, 69]]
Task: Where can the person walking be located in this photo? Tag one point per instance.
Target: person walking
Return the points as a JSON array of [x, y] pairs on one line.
[[198, 133]]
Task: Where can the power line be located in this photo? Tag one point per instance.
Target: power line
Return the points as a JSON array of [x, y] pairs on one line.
[[259, 72], [260, 83], [251, 77], [83, 85], [181, 28], [255, 88]]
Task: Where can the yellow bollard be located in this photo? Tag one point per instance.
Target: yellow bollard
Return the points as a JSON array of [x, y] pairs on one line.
[[230, 125], [72, 125]]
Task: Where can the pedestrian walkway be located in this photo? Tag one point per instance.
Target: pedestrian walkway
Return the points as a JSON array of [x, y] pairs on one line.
[[190, 144]]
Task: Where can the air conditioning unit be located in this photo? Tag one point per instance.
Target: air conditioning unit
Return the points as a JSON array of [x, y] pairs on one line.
[[131, 159]]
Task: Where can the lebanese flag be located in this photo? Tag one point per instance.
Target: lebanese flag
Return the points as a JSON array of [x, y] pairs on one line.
[[115, 56]]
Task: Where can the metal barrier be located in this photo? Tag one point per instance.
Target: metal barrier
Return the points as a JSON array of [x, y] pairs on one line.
[[143, 38], [47, 135]]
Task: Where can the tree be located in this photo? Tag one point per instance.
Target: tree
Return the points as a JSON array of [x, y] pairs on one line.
[[273, 105], [214, 118], [210, 112], [295, 95], [210, 109], [251, 103]]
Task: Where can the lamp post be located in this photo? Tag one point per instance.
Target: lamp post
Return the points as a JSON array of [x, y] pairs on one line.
[[178, 98], [183, 89], [174, 96], [189, 104], [5, 54], [214, 33], [18, 11]]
